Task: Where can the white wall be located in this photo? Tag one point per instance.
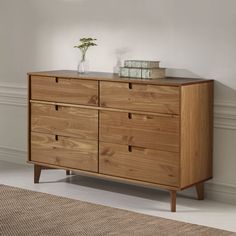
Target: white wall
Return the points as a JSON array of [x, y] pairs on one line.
[[190, 37]]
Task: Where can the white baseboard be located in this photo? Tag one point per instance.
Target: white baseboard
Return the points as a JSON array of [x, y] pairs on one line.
[[215, 191], [13, 155], [221, 192]]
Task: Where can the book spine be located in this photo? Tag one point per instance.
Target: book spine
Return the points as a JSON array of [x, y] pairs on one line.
[[153, 73], [135, 73], [124, 72], [141, 64], [157, 73]]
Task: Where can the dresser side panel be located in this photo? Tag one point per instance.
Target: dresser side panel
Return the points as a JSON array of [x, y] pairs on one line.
[[29, 118], [196, 133]]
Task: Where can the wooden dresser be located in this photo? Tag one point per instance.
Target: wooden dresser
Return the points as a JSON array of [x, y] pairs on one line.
[[150, 132]]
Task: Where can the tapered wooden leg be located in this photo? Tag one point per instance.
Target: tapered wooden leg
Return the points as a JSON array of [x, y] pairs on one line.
[[200, 191], [68, 172], [173, 200], [37, 173]]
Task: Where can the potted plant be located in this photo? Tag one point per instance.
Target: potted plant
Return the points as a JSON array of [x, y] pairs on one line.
[[84, 45]]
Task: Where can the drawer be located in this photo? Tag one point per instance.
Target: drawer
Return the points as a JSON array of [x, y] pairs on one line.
[[64, 120], [141, 97], [64, 90], [64, 152], [155, 132], [139, 163]]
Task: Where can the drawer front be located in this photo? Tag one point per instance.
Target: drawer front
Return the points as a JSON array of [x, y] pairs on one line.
[[139, 163], [64, 152], [141, 97], [64, 90], [155, 132], [64, 120]]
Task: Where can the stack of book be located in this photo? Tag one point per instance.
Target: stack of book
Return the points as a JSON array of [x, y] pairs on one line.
[[142, 69]]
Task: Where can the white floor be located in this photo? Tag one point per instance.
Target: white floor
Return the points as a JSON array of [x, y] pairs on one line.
[[138, 199]]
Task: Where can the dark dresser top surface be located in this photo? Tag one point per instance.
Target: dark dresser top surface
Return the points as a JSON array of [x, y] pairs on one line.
[[105, 76]]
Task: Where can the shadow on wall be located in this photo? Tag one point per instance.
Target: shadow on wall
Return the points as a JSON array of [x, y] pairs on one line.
[[120, 55], [173, 72], [224, 93]]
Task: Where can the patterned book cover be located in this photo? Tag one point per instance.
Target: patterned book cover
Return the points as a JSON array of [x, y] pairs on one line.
[[156, 73], [135, 73], [124, 72], [141, 64]]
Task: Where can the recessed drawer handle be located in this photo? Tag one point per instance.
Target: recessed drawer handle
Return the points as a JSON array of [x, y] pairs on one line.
[[130, 115], [56, 80], [56, 107], [130, 86], [56, 137], [130, 148]]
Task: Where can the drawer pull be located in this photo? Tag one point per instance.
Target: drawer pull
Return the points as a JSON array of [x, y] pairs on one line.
[[56, 80], [130, 148], [130, 86], [56, 137], [56, 107], [130, 115]]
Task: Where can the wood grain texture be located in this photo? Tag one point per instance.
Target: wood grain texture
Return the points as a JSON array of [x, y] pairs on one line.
[[150, 132], [196, 133], [64, 120], [105, 76], [103, 108], [161, 99], [173, 201], [108, 177], [37, 173], [64, 90], [28, 117], [155, 132], [200, 191], [139, 163], [64, 151]]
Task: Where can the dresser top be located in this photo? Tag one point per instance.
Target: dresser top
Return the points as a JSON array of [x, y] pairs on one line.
[[172, 81]]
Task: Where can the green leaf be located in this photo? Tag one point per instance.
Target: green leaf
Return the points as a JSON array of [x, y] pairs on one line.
[[85, 43]]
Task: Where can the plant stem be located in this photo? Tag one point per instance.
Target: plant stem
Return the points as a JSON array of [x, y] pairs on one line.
[[83, 51], [83, 56]]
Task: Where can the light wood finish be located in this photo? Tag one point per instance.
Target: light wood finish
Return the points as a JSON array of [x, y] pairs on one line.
[[28, 117], [110, 177], [105, 76], [200, 191], [104, 108], [161, 99], [155, 132], [173, 201], [64, 151], [64, 90], [196, 133], [37, 173], [139, 163], [64, 120]]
